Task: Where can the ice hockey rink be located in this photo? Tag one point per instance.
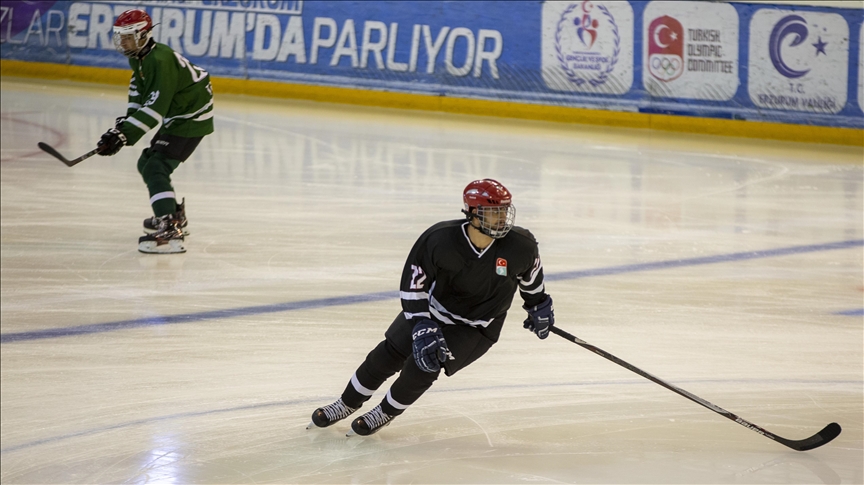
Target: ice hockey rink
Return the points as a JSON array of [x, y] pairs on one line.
[[731, 268]]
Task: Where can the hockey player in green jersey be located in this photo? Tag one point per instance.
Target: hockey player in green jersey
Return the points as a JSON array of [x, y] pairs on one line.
[[166, 91]]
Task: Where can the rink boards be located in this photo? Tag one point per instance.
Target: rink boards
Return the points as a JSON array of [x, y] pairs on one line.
[[775, 71]]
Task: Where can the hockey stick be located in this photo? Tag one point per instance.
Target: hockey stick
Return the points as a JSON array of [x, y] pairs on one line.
[[54, 153], [827, 434]]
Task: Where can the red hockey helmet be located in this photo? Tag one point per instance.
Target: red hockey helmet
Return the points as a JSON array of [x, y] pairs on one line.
[[132, 31], [491, 204]]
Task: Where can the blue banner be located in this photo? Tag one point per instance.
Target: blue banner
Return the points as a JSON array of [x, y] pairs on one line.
[[777, 63]]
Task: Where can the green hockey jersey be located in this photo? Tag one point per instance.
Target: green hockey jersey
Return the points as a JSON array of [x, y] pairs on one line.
[[168, 91]]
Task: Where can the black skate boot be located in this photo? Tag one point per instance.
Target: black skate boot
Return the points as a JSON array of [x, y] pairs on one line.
[[370, 422], [330, 414], [167, 239], [151, 224]]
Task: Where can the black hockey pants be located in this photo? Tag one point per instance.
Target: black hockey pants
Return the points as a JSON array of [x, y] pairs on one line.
[[394, 354]]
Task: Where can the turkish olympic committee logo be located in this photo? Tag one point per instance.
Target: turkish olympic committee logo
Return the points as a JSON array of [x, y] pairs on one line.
[[666, 48], [587, 51]]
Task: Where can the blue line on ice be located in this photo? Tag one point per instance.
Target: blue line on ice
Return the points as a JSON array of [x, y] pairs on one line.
[[387, 295]]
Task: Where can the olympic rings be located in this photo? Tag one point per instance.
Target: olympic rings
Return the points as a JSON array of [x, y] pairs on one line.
[[668, 64]]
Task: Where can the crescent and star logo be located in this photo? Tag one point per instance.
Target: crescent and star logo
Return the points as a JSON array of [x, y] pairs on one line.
[[666, 48], [501, 267], [790, 25]]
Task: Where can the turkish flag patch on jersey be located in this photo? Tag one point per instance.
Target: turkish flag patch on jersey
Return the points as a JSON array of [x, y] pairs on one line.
[[501, 267]]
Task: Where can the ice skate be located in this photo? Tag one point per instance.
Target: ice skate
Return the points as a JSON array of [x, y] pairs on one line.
[[151, 224], [370, 422], [167, 239], [330, 414]]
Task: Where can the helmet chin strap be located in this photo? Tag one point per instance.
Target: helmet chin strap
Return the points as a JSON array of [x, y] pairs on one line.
[[471, 218], [142, 52]]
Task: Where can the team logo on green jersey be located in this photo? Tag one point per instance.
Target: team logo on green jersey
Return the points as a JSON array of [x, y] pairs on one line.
[[153, 97]]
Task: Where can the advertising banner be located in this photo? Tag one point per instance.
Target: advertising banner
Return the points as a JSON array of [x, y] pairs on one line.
[[861, 67], [786, 64], [588, 46], [690, 50], [799, 61]]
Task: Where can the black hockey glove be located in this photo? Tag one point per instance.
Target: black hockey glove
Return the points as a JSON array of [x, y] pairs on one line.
[[430, 349], [540, 318], [119, 121], [111, 142]]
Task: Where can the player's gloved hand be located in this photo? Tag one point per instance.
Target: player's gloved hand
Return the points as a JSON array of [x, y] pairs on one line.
[[119, 121], [430, 349], [540, 318], [111, 142]]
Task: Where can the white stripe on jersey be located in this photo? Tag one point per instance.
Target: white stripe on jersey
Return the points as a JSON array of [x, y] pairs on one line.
[[133, 105], [191, 115], [441, 317], [149, 112], [446, 316], [409, 316], [205, 116], [420, 295], [534, 272], [138, 124], [133, 92], [540, 288]]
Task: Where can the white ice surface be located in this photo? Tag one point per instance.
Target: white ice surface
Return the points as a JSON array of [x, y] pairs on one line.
[[301, 216]]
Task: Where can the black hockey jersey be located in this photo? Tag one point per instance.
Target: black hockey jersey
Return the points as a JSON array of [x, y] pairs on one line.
[[446, 278]]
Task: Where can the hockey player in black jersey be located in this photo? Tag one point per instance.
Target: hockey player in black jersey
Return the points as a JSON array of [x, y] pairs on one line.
[[457, 285]]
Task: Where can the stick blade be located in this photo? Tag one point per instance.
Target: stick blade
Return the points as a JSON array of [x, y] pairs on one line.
[[827, 434], [54, 153]]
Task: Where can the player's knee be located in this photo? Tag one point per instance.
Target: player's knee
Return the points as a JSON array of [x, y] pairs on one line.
[[155, 167], [142, 160], [393, 352]]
